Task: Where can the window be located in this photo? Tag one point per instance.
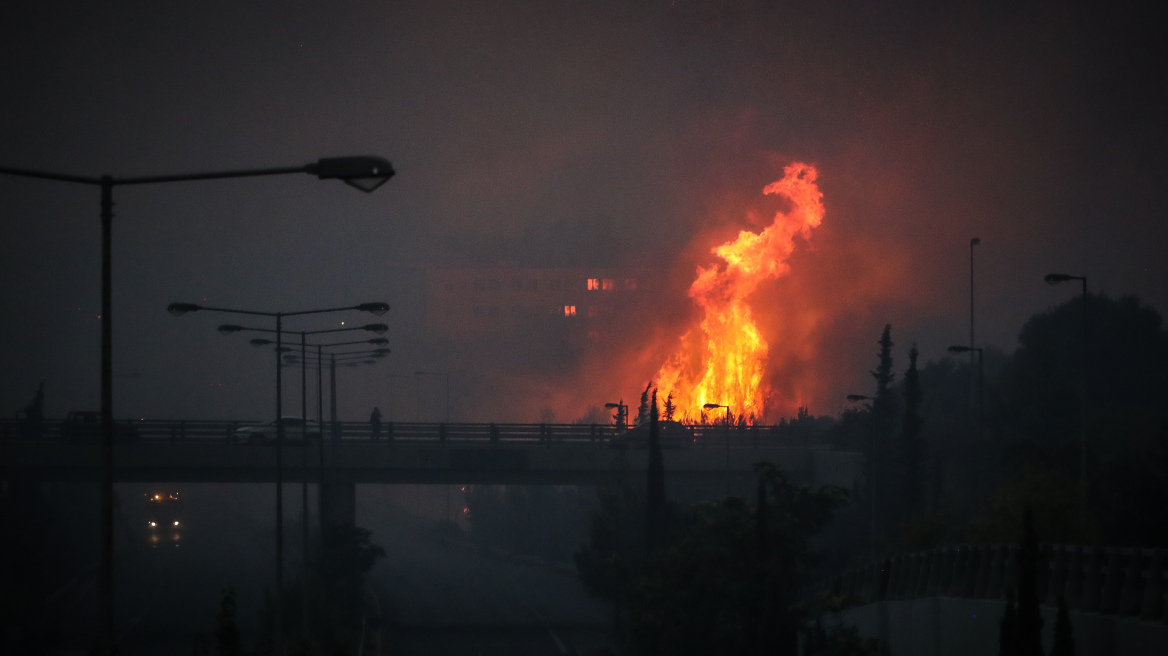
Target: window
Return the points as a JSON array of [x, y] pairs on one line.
[[593, 284], [608, 284], [631, 284], [592, 311], [569, 310]]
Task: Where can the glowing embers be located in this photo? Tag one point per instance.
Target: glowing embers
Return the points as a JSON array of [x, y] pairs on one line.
[[723, 360]]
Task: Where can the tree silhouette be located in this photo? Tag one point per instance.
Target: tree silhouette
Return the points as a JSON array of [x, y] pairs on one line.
[[1064, 641], [883, 419], [912, 495], [655, 486], [643, 407], [670, 408], [1028, 621]]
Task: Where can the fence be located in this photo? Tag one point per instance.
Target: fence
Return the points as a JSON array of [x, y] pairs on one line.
[[151, 430], [1115, 581]]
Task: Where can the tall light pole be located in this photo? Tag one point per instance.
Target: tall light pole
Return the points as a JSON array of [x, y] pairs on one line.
[[178, 310], [228, 329], [1054, 279], [714, 406], [972, 342], [364, 173], [856, 398]]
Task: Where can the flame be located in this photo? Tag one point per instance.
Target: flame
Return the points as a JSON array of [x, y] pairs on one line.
[[725, 360]]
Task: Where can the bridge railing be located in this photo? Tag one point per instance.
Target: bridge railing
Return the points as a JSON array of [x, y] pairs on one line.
[[1106, 580], [196, 430]]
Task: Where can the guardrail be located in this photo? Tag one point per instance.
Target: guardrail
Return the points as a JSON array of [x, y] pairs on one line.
[[188, 430], [1105, 580]]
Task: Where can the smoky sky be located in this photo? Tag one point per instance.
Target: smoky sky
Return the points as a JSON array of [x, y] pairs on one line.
[[556, 134]]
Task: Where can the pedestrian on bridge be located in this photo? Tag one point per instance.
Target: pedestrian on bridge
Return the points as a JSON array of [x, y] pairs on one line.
[[375, 423]]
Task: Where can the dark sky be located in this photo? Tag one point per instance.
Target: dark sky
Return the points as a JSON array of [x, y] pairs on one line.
[[548, 133]]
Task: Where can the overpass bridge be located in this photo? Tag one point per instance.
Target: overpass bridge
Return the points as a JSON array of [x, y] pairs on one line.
[[713, 459]]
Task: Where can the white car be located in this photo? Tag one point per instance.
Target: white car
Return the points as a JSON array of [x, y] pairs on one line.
[[295, 430]]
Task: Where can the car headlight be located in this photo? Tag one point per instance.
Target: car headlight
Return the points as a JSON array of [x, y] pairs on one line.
[[176, 522], [153, 524]]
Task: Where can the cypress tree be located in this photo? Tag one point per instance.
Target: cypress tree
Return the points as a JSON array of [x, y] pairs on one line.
[[1028, 625], [655, 480], [913, 479], [883, 418], [1064, 641]]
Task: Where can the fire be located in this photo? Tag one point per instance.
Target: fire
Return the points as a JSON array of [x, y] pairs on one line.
[[724, 361]]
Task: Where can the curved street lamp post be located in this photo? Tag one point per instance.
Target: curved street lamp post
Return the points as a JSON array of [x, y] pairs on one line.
[[377, 309], [364, 172]]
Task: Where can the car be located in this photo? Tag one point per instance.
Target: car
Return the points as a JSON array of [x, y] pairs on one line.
[[673, 435], [295, 430], [164, 526], [85, 426]]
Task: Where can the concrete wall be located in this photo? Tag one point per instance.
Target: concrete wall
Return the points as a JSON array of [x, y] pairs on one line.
[[945, 626]]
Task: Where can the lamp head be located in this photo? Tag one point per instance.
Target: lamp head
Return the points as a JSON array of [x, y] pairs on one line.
[[260, 341], [612, 405], [365, 173], [975, 241], [376, 309], [228, 328], [282, 349], [378, 328], [381, 352], [959, 349], [179, 309], [380, 341], [711, 406], [1056, 278]]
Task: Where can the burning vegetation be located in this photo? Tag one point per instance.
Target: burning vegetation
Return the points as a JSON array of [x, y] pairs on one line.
[[724, 358]]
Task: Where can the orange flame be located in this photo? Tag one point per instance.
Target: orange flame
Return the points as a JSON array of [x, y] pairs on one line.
[[729, 366]]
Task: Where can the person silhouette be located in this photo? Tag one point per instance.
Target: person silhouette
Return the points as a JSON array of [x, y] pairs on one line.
[[375, 422]]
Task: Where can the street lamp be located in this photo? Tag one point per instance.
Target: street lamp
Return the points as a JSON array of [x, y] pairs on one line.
[[364, 172], [446, 378], [180, 309], [622, 414], [379, 328], [715, 406], [1054, 279]]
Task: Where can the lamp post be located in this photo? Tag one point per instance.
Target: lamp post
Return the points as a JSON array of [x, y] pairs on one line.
[[228, 329], [622, 415], [856, 398], [364, 173], [178, 310], [714, 406], [1054, 279]]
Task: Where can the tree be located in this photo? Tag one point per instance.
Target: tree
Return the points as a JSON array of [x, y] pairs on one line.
[[227, 638], [912, 496], [670, 408], [1064, 641], [655, 486], [883, 419], [1028, 621], [643, 407], [1007, 628]]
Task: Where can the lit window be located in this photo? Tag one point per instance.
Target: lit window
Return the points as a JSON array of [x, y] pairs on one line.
[[592, 310], [608, 284], [569, 310], [631, 284], [593, 284]]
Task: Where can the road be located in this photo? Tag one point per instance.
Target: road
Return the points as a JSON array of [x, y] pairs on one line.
[[443, 597]]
